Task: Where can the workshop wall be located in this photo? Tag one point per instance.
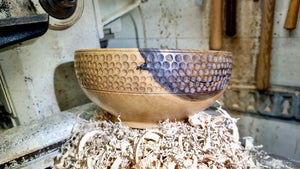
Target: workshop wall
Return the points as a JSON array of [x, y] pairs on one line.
[[285, 49], [185, 25]]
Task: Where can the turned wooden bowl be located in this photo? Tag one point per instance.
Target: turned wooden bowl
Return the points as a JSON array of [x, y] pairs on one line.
[[145, 86]]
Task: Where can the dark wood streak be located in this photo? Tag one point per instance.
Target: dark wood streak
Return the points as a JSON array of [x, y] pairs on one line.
[[155, 65]]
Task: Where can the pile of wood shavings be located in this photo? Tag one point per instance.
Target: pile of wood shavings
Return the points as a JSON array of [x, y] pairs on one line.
[[205, 141]]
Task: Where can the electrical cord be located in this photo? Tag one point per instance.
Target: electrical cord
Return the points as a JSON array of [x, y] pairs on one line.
[[144, 25], [135, 30]]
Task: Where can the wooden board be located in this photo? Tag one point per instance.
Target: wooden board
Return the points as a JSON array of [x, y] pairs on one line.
[[264, 57]]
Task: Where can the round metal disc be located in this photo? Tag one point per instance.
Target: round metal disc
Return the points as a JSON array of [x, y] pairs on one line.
[[60, 9]]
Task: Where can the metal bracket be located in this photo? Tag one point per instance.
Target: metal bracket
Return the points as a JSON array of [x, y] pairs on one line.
[[15, 30], [60, 9], [59, 20]]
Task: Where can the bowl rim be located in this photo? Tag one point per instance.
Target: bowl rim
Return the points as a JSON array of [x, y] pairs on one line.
[[165, 50]]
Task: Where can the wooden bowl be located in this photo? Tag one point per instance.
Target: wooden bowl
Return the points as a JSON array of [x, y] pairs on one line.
[[145, 86]]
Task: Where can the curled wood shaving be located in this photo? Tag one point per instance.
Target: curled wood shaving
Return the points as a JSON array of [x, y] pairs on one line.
[[116, 163], [86, 137], [205, 141], [149, 135]]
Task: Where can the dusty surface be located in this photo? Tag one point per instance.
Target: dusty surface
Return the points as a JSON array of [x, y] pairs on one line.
[[15, 8]]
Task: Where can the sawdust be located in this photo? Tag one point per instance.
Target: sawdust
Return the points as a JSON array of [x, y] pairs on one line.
[[262, 159], [204, 141]]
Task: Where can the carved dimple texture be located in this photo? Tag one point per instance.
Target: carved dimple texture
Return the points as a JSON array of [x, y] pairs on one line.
[[200, 73], [113, 72], [151, 72]]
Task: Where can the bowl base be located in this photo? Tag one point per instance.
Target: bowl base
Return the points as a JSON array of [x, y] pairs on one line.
[[138, 125]]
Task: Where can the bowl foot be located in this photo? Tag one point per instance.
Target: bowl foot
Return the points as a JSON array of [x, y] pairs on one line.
[[139, 125]]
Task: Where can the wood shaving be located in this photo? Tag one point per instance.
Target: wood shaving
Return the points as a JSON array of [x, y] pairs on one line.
[[204, 141]]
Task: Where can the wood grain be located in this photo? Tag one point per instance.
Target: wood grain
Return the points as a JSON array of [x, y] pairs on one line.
[[216, 30], [149, 85], [263, 60], [292, 15], [230, 17]]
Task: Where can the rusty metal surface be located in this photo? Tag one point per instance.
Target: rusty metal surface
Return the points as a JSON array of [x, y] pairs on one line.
[[33, 157], [16, 8], [18, 29], [60, 9], [22, 140], [39, 136]]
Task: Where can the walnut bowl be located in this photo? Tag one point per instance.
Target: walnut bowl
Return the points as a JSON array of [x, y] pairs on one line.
[[145, 86]]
